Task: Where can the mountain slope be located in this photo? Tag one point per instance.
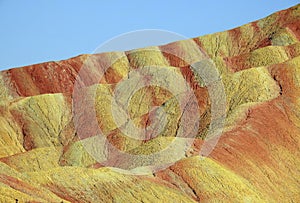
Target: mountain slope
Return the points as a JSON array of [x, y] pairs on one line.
[[45, 135]]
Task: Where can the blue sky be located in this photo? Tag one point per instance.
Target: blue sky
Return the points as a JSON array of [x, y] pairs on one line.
[[38, 31]]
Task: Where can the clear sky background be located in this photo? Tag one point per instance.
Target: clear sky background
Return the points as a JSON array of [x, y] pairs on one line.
[[34, 31]]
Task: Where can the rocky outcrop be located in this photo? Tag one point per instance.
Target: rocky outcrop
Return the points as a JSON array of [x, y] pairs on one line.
[[47, 143]]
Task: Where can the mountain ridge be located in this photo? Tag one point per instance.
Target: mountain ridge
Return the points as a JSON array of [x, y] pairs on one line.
[[256, 158]]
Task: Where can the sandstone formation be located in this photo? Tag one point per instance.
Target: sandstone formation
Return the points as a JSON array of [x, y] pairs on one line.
[[45, 133]]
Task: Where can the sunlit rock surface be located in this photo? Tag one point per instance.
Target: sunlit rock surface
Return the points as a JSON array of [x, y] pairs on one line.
[[44, 141]]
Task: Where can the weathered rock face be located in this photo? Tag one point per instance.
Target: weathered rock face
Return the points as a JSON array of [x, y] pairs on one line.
[[47, 143]]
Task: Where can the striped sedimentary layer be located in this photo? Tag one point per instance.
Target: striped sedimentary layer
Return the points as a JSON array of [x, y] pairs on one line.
[[43, 144]]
